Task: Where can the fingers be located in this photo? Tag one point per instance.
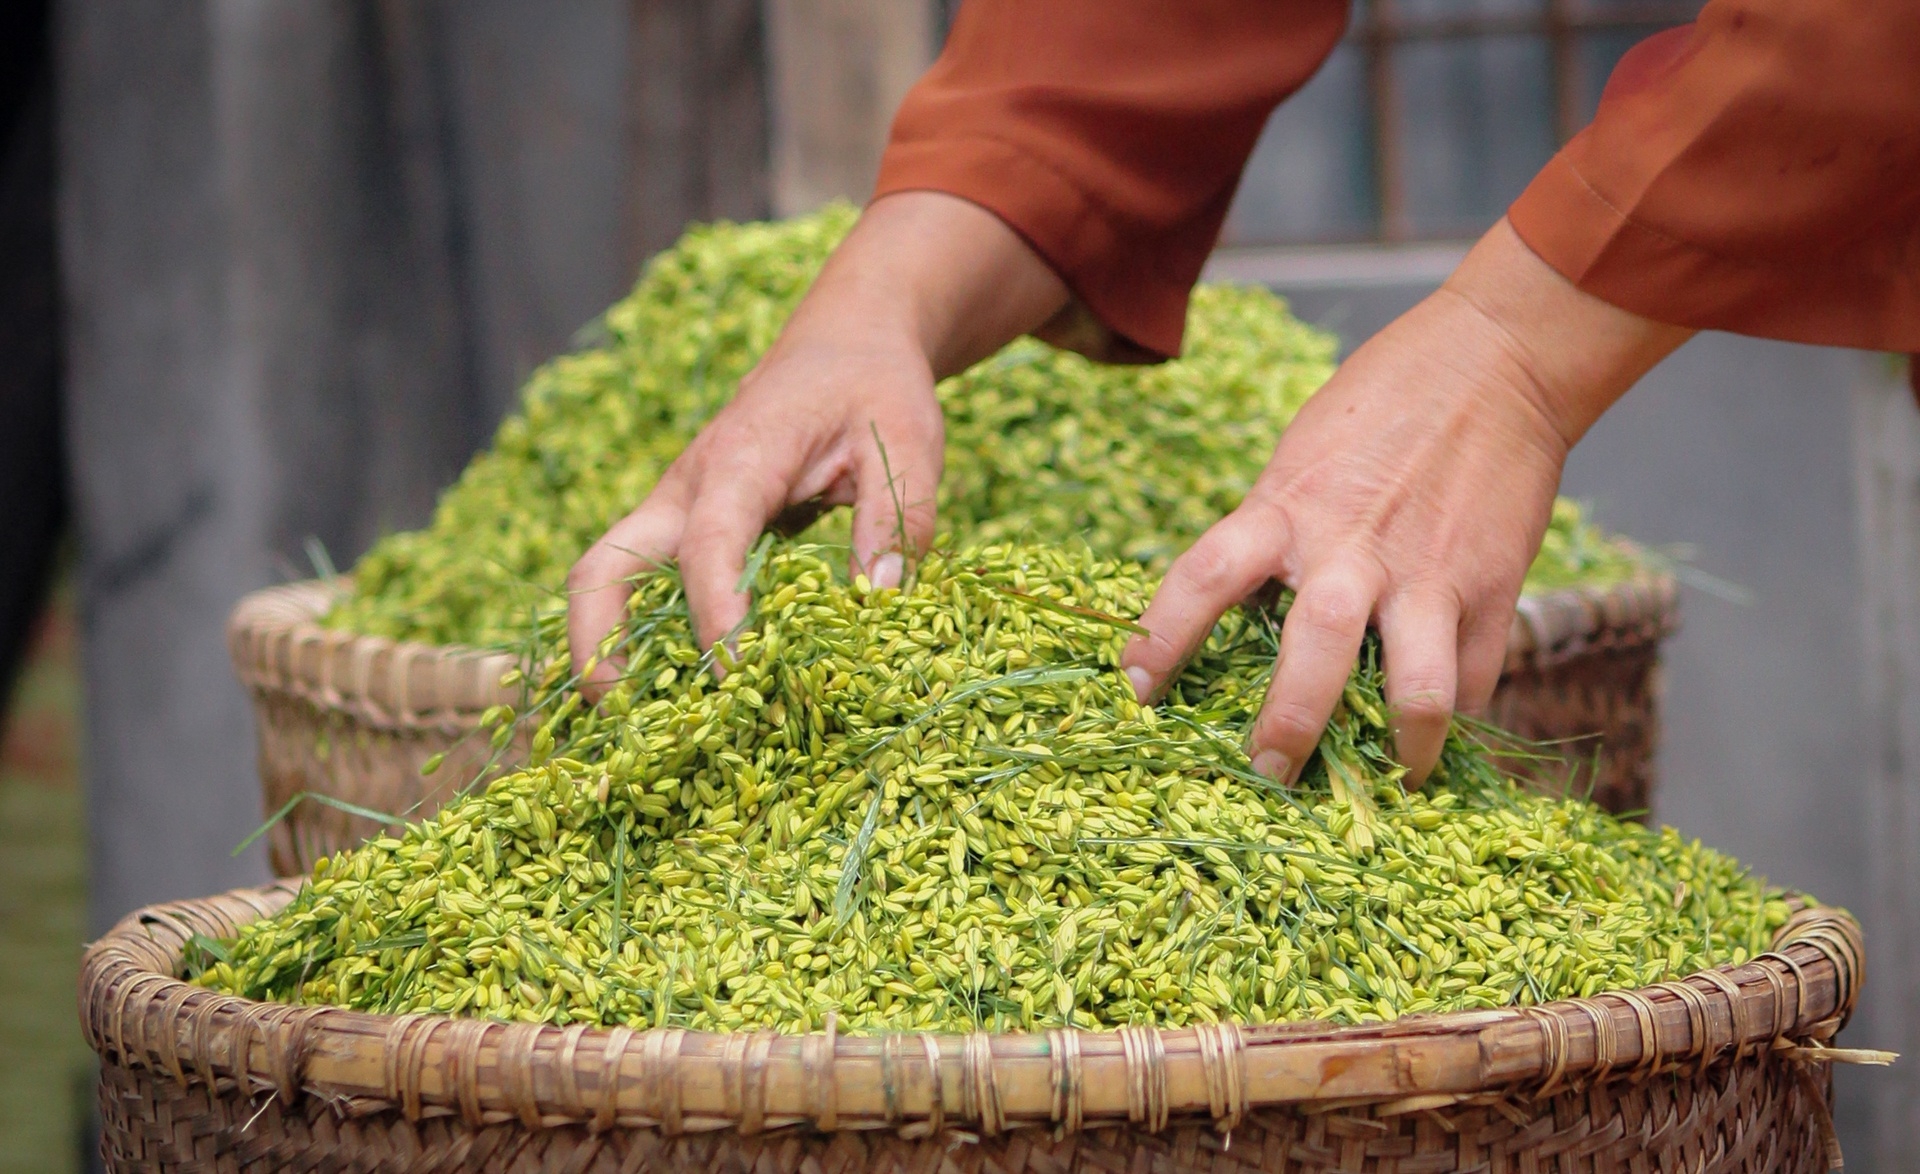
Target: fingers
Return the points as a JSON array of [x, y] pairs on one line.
[[600, 582], [1419, 639], [1483, 655], [715, 502], [1318, 645], [893, 506], [1216, 573], [724, 521]]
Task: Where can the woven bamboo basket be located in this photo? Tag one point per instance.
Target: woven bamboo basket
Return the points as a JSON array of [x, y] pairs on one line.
[[1724, 1072], [1582, 678], [355, 717]]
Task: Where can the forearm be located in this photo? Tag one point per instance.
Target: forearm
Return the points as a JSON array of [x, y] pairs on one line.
[[934, 268]]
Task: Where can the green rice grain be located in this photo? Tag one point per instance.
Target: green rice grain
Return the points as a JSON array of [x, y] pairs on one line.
[[939, 807]]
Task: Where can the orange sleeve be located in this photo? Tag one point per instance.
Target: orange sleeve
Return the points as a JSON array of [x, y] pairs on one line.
[[1757, 171], [1109, 133]]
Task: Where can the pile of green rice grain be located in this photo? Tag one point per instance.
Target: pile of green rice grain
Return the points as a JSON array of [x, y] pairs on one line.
[[1041, 443], [940, 808]]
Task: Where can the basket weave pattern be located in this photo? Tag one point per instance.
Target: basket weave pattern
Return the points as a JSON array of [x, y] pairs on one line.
[[355, 717], [1583, 674], [1718, 1073]]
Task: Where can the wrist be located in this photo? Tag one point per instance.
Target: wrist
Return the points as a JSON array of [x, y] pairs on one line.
[[1572, 355], [943, 272]]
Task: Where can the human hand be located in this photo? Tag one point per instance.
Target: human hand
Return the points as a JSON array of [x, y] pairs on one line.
[[840, 411], [1411, 492]]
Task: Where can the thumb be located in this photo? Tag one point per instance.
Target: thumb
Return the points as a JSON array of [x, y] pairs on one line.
[[893, 505]]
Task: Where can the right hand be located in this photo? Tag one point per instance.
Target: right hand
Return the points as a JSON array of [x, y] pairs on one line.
[[925, 285], [1409, 494]]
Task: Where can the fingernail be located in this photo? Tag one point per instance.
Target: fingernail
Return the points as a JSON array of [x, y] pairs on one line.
[[887, 570], [1142, 684], [1272, 764]]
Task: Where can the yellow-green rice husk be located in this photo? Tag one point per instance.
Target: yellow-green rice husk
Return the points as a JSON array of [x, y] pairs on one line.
[[940, 808]]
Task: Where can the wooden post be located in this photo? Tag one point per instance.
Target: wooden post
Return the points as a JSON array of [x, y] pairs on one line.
[[1887, 485], [697, 91], [839, 69]]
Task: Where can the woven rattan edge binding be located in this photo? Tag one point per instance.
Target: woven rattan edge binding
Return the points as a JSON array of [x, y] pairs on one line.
[[1558, 626], [1789, 1000], [278, 645]]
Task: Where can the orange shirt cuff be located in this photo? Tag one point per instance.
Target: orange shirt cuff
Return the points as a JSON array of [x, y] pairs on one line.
[[1105, 266], [1849, 300]]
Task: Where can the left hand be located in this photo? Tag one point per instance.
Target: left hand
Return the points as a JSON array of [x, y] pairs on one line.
[[924, 286], [1411, 493]]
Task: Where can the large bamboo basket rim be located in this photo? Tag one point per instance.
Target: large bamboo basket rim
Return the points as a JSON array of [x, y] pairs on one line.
[[1784, 1003], [278, 645]]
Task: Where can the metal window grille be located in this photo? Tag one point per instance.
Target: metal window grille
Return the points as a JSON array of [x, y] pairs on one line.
[[1385, 26], [1379, 194]]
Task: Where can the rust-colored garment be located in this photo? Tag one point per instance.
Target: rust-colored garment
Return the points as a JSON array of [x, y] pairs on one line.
[[1109, 133], [1757, 171]]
